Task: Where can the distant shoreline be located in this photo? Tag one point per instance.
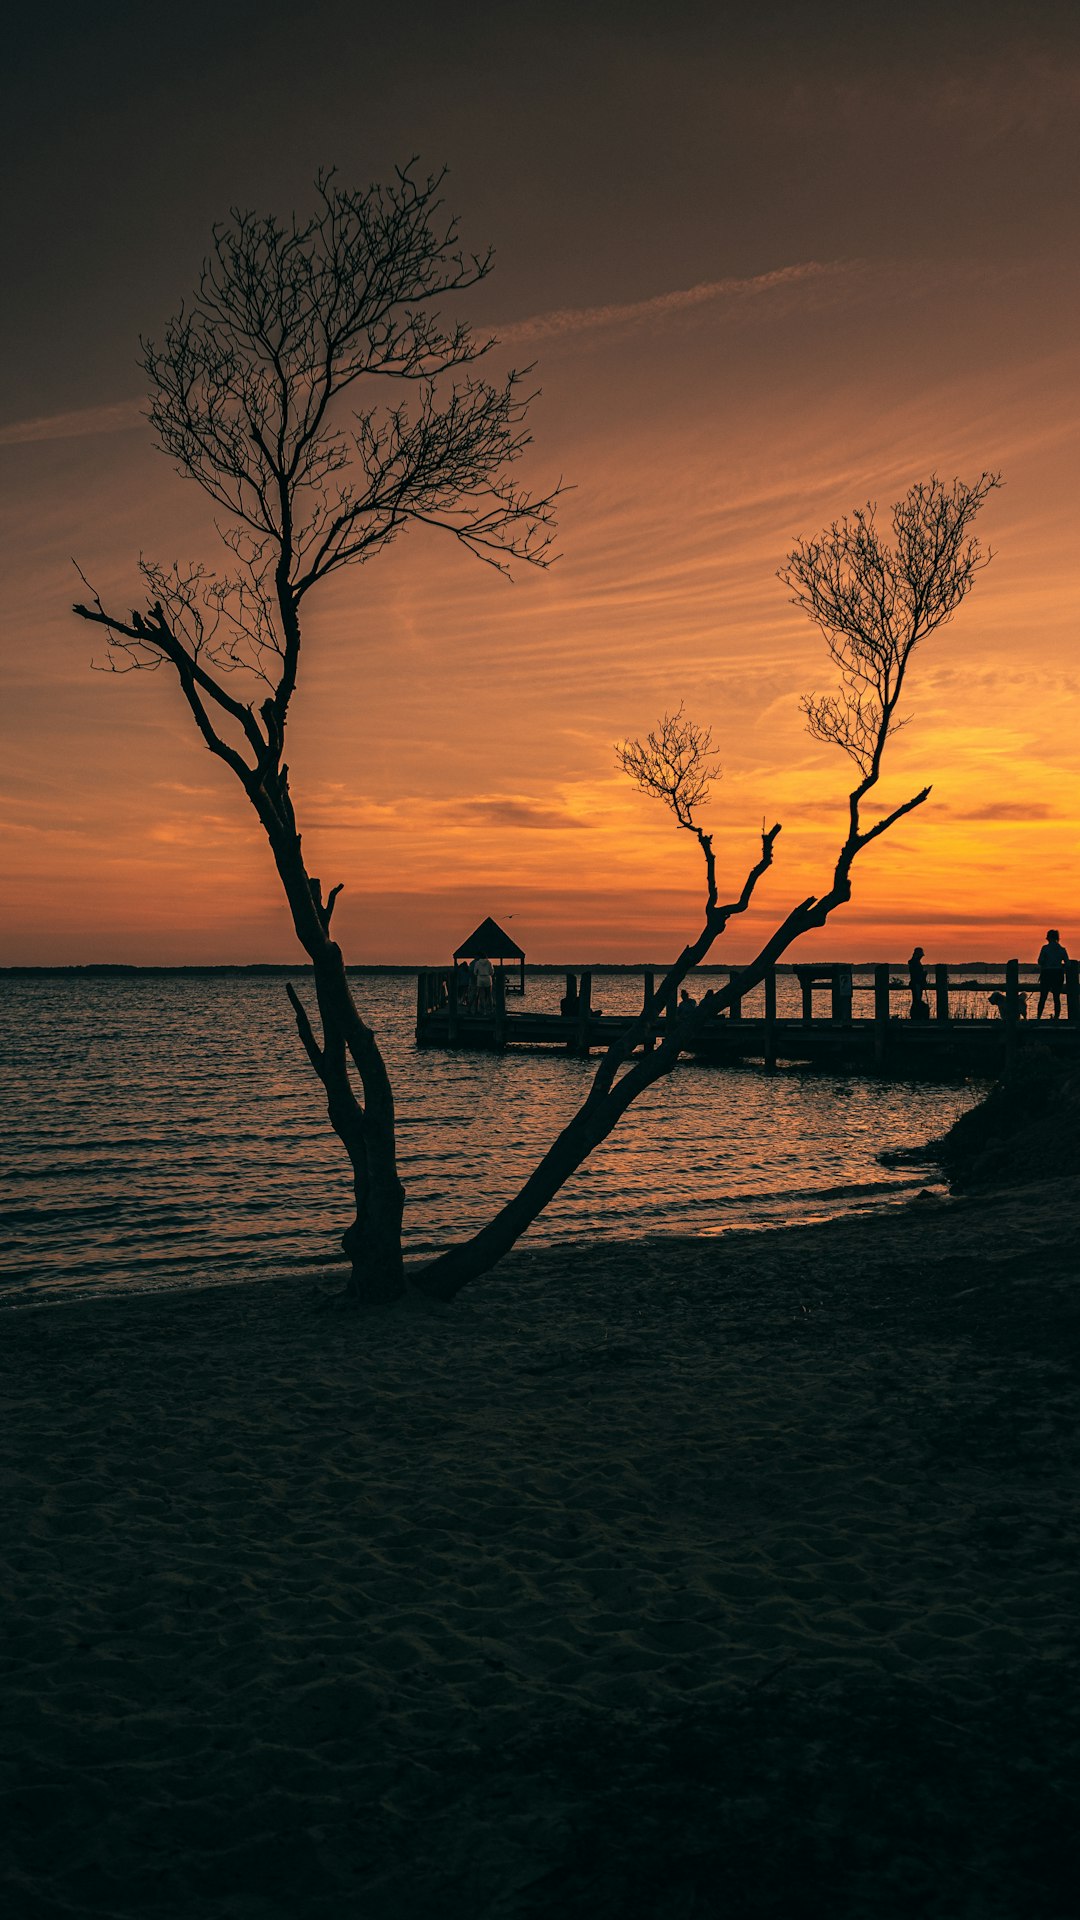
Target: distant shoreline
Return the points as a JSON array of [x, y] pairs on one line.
[[282, 970]]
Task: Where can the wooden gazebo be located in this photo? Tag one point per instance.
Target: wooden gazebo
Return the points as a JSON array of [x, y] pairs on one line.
[[489, 942]]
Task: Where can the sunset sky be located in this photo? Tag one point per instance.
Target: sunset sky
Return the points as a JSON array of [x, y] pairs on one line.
[[771, 263]]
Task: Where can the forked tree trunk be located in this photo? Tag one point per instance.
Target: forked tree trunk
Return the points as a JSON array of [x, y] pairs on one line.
[[620, 1078], [366, 1130], [372, 1243], [445, 1276], [346, 1044]]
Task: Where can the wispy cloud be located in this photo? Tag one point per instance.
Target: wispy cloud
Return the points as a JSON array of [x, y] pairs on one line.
[[502, 810], [120, 417], [1005, 810], [575, 320], [497, 809], [123, 416]]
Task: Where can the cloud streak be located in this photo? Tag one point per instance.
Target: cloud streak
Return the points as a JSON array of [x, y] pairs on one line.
[[566, 321], [124, 416], [1005, 810], [502, 810], [120, 417]]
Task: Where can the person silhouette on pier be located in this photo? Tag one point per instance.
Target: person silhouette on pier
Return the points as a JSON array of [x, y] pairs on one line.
[[483, 974], [920, 1006], [1052, 960]]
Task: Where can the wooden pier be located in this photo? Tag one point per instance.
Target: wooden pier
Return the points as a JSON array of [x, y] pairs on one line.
[[847, 1022]]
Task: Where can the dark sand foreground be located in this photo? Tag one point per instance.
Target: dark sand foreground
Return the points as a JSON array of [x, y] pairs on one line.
[[730, 1577]]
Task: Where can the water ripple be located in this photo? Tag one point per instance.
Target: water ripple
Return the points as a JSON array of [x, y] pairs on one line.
[[169, 1131]]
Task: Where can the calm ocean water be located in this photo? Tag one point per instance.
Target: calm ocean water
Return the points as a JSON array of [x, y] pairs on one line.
[[167, 1131]]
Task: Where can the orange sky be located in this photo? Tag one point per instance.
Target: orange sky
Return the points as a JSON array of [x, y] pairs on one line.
[[711, 394]]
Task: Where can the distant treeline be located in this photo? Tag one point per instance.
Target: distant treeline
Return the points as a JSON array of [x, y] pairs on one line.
[[108, 970]]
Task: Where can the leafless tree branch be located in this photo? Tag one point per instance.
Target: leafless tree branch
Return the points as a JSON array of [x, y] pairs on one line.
[[269, 390], [675, 764], [875, 607]]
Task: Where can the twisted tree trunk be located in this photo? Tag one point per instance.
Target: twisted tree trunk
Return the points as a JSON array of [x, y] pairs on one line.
[[366, 1128]]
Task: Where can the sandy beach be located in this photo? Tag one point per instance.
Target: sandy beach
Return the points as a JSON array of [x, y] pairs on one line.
[[730, 1576]]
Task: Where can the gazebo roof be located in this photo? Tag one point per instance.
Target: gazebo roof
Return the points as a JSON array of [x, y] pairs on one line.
[[489, 942]]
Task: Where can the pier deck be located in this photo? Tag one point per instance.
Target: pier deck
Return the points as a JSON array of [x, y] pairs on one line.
[[860, 1032]]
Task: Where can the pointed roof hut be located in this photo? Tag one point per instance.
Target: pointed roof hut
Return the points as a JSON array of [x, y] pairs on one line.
[[490, 942]]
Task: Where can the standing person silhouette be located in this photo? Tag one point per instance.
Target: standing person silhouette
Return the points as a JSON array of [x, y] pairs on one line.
[[1052, 960], [483, 976], [920, 1009]]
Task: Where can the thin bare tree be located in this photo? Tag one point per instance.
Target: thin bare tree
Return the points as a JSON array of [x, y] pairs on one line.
[[250, 392], [247, 397], [875, 605]]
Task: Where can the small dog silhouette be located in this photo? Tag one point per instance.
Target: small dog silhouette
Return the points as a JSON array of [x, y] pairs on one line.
[[997, 1000]]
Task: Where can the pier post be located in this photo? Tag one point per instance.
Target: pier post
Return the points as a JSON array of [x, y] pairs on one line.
[[452, 1010], [806, 982], [881, 1015], [941, 992], [584, 1012], [1072, 990], [500, 1010], [650, 983], [841, 996], [1011, 1009], [770, 1017]]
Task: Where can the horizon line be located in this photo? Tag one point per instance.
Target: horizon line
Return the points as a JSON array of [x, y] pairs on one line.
[[428, 966]]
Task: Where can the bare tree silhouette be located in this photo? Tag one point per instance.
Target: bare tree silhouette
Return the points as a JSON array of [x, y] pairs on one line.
[[246, 396], [247, 391], [875, 605]]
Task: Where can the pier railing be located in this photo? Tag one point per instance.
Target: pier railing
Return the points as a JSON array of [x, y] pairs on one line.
[[1001, 998], [871, 1005]]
